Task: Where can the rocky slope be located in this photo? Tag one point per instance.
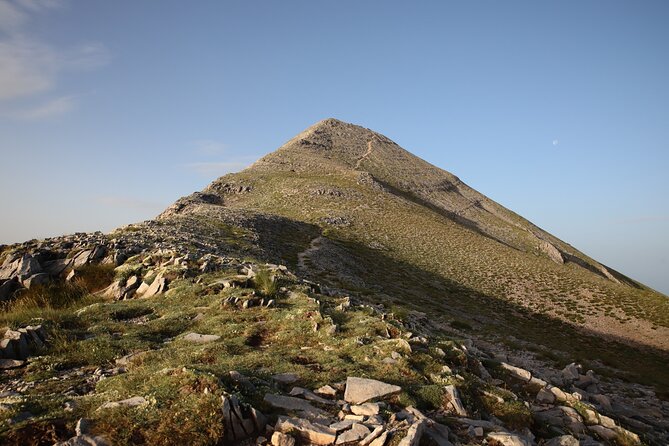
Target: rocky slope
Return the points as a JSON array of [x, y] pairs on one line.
[[339, 291]]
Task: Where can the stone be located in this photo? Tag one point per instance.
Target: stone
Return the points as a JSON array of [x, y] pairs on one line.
[[342, 425], [326, 391], [236, 426], [309, 395], [286, 378], [603, 401], [84, 440], [571, 372], [561, 417], [294, 404], [545, 396], [367, 409], [200, 338], [83, 426], [20, 343], [356, 433], [414, 434], [158, 286], [8, 288], [517, 372], [453, 401], [508, 439], [39, 279], [130, 402], [381, 440], [281, 439], [360, 390], [603, 432], [558, 393], [6, 364], [56, 267], [475, 431], [311, 432], [564, 440], [376, 433]]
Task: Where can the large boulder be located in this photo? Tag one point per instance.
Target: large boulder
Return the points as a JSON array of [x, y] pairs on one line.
[[360, 390]]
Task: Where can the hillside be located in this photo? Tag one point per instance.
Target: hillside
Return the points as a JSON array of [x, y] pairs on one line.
[[337, 257]]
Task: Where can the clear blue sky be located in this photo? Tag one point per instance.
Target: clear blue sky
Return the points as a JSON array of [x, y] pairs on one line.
[[109, 111]]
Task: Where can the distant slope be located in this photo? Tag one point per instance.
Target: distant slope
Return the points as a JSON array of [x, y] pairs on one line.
[[393, 224]]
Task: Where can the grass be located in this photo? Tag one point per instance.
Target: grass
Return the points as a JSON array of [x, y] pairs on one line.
[[266, 283]]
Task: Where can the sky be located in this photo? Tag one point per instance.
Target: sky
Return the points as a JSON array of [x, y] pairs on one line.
[[110, 111]]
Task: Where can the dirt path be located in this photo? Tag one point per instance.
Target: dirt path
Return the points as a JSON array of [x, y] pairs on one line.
[[365, 155], [314, 246]]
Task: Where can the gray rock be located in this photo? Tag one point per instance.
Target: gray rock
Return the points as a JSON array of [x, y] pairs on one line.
[[130, 402], [311, 432], [603, 432], [200, 338], [39, 279], [309, 395], [294, 404], [360, 390], [6, 364], [376, 433], [326, 391], [367, 409], [414, 434], [453, 401], [508, 439], [356, 433], [158, 286], [281, 439], [286, 378], [564, 440]]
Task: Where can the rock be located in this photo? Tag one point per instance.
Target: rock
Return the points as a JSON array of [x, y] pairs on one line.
[[603, 401], [439, 433], [309, 395], [571, 372], [517, 372], [8, 288], [545, 396], [564, 440], [237, 427], [453, 402], [39, 279], [281, 439], [376, 433], [561, 417], [508, 439], [342, 425], [356, 433], [381, 440], [200, 338], [367, 409], [326, 391], [158, 286], [558, 393], [360, 390], [56, 267], [314, 433], [603, 432], [294, 404], [6, 364], [414, 434], [83, 427], [475, 432], [130, 402], [286, 378], [19, 342]]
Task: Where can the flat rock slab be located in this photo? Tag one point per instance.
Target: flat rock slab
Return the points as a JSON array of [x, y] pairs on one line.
[[508, 439], [311, 432], [367, 409], [286, 378], [201, 338], [360, 390], [130, 402], [294, 404], [356, 433], [10, 363]]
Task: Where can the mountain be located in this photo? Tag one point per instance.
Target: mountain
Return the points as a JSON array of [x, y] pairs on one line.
[[337, 257]]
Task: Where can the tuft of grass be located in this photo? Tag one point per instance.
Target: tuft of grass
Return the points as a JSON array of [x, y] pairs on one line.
[[265, 283]]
